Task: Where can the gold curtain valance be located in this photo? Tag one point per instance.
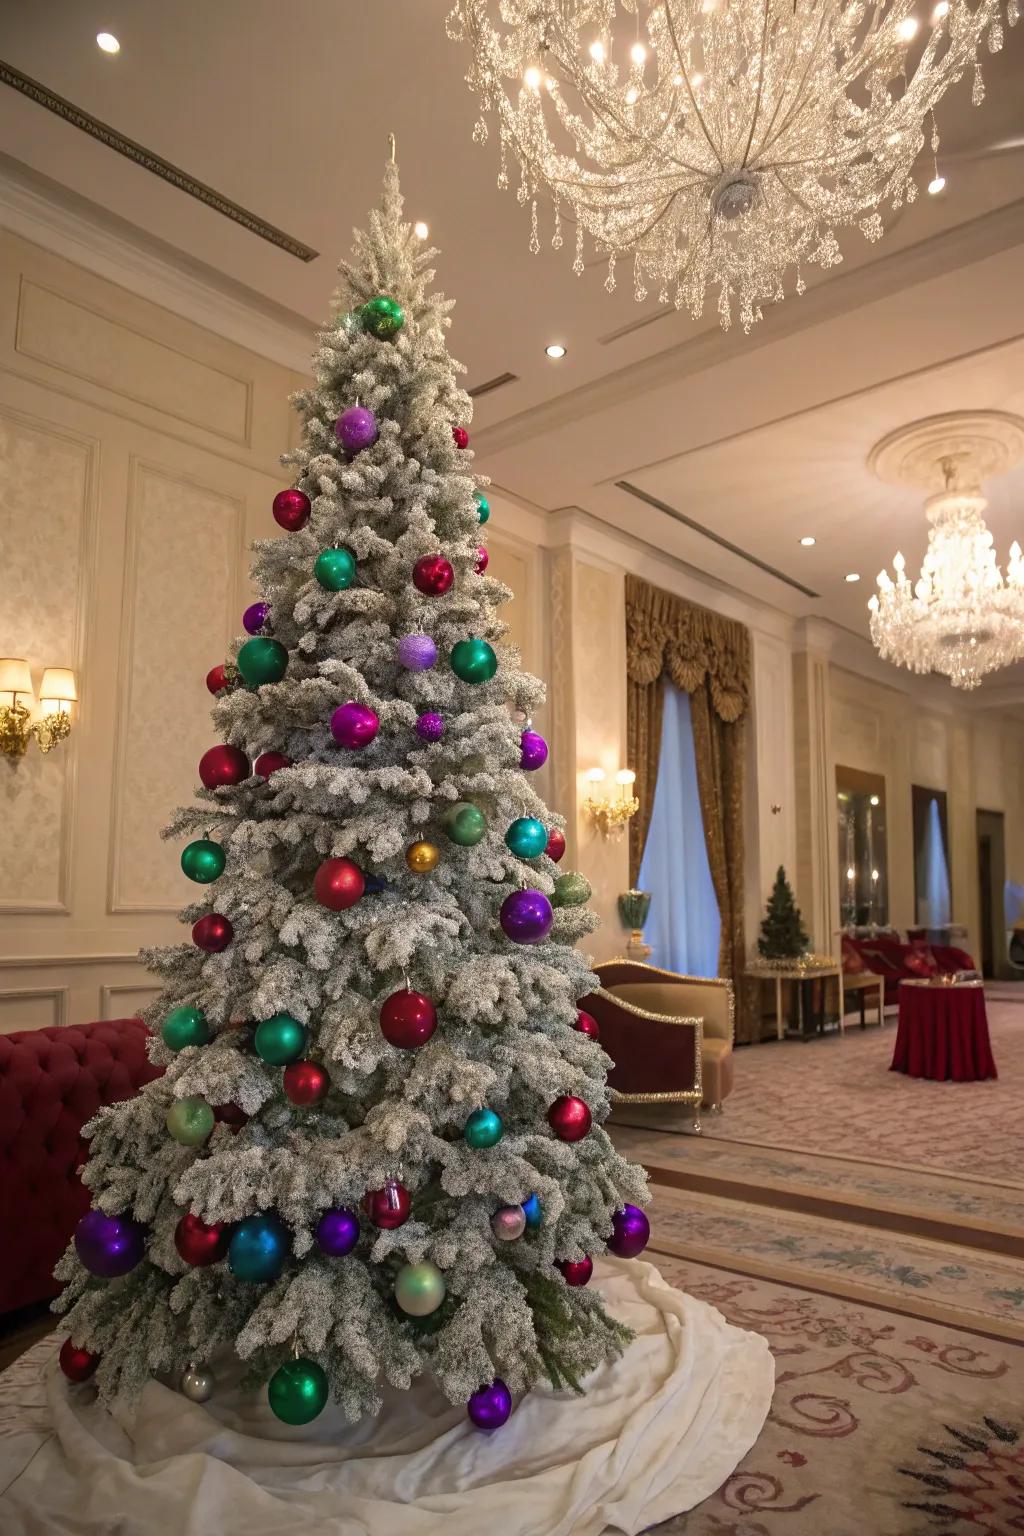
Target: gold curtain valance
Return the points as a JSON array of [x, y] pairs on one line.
[[666, 634]]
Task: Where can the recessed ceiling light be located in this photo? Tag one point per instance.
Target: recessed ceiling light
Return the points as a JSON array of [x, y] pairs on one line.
[[420, 230], [638, 53], [907, 28], [555, 349], [597, 52], [936, 185], [853, 576], [807, 540], [697, 80], [942, 9], [631, 95], [108, 42]]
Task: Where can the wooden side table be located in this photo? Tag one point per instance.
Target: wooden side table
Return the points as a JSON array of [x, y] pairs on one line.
[[861, 983], [799, 975]]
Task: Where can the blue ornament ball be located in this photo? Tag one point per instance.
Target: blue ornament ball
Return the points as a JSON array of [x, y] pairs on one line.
[[533, 1212], [259, 1247]]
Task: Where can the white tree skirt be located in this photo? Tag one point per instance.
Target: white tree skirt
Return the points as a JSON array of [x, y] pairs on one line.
[[656, 1433]]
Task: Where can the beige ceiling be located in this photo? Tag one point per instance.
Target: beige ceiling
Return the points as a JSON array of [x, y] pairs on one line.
[[285, 109]]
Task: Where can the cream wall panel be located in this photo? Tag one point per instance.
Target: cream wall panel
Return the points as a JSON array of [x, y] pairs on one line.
[[931, 752], [771, 818], [125, 1000], [991, 779], [33, 1008]]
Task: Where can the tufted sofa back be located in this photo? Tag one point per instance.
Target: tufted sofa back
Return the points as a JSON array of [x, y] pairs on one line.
[[51, 1082]]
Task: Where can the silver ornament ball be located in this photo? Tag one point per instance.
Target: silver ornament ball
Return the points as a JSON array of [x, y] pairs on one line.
[[197, 1383], [508, 1223]]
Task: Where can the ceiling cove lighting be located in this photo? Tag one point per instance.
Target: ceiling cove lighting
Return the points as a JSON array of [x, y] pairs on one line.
[[555, 350], [853, 576], [807, 540], [107, 42]]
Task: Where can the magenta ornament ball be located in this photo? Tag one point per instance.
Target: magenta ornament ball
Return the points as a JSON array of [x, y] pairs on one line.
[[417, 652], [354, 725], [291, 510], [630, 1232], [433, 575], [526, 916], [255, 619], [356, 429], [534, 751], [109, 1246], [490, 1406], [430, 726]]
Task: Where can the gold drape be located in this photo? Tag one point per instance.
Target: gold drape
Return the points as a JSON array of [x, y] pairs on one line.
[[709, 658]]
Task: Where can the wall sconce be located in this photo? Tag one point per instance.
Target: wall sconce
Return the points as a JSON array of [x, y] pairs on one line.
[[610, 813], [57, 693]]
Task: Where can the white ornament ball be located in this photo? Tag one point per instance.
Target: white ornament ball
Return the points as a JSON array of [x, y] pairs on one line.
[[508, 1223], [197, 1383]]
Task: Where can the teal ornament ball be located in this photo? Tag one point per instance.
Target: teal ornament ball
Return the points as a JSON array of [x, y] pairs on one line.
[[484, 1128], [262, 660], [280, 1040], [571, 890], [382, 317], [185, 1026], [419, 1289], [203, 860], [335, 569], [190, 1121], [473, 661], [526, 837], [298, 1391], [465, 824], [258, 1248], [483, 506]]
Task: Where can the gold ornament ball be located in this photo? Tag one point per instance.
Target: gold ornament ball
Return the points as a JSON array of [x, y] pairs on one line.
[[422, 857]]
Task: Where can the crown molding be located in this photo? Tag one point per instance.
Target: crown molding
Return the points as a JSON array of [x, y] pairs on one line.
[[40, 211]]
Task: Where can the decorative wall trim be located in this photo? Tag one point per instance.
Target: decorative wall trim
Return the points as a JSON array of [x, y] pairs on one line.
[[150, 161], [41, 962], [108, 992], [60, 996]]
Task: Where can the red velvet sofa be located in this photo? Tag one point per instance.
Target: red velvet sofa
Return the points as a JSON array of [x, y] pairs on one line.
[[900, 962], [51, 1082]]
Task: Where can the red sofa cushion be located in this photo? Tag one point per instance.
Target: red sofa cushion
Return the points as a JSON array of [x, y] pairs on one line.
[[51, 1082]]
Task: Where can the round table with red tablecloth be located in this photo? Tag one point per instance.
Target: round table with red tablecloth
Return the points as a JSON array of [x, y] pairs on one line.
[[943, 1032]]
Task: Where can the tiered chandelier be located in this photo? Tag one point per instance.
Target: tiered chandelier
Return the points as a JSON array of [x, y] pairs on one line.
[[960, 618], [721, 143]]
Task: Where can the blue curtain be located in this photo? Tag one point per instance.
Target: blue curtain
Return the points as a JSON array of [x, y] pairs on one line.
[[937, 901], [683, 926]]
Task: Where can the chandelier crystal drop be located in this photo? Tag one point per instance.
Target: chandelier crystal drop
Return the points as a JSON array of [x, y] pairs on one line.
[[720, 142]]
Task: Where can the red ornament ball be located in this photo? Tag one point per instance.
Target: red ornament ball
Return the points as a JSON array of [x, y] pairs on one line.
[[461, 437], [306, 1082], [218, 678], [292, 509], [388, 1207], [77, 1364], [200, 1243], [576, 1271], [569, 1118], [269, 762], [212, 933], [587, 1024], [407, 1020], [230, 1114], [223, 765], [556, 844], [433, 575], [338, 884]]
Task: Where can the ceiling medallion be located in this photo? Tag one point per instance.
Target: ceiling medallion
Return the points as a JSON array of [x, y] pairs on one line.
[[960, 618], [721, 143]]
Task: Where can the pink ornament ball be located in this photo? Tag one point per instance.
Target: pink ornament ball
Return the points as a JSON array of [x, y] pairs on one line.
[[417, 652], [461, 437], [631, 1232], [356, 429], [482, 560], [354, 725], [587, 1024], [291, 510], [433, 575], [576, 1271], [533, 751]]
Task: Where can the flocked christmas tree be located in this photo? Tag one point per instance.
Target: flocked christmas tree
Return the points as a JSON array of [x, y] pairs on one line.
[[377, 1147], [783, 935]]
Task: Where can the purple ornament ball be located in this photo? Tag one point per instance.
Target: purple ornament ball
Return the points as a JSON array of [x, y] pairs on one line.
[[430, 726], [630, 1232], [490, 1406], [534, 751], [337, 1232], [417, 652], [356, 429], [254, 619], [354, 725], [109, 1246], [526, 916]]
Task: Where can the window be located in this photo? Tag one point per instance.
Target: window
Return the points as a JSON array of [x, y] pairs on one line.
[[683, 926]]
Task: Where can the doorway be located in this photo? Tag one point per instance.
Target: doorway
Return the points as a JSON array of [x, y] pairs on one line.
[[991, 880]]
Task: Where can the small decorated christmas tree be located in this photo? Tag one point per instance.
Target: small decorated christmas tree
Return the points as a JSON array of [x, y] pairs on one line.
[[783, 936], [376, 1150]]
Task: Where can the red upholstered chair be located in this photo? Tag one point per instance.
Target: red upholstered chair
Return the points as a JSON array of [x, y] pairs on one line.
[[51, 1082]]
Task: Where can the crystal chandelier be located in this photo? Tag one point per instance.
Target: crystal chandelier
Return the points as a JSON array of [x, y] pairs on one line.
[[720, 142], [960, 618]]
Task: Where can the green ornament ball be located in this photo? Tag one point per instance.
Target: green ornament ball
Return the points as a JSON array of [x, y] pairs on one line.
[[280, 1040], [262, 660], [465, 824], [382, 317], [335, 569], [203, 860], [419, 1289], [484, 1128], [298, 1391], [185, 1026], [190, 1121], [473, 661], [571, 890], [526, 837], [483, 506]]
